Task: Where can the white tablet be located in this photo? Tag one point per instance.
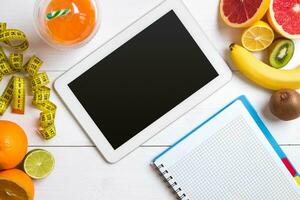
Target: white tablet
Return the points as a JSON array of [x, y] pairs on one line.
[[142, 80]]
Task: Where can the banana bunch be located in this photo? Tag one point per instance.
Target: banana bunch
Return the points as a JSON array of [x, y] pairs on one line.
[[261, 73]]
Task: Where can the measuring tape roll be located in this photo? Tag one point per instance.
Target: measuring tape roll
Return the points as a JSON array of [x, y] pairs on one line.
[[2, 55], [41, 95], [16, 61], [5, 68], [14, 38], [48, 132], [33, 65], [15, 89], [39, 80], [46, 106], [18, 100], [8, 92], [47, 119], [3, 105], [15, 92]]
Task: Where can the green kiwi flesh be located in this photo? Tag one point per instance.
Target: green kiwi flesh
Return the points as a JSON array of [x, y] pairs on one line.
[[282, 52]]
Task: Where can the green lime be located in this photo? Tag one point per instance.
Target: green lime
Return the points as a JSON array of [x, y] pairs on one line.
[[38, 163]]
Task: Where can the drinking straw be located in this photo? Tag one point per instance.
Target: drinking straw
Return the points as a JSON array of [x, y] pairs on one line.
[[58, 13]]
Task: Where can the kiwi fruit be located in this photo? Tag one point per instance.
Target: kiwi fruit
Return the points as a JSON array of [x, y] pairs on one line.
[[285, 104], [282, 52]]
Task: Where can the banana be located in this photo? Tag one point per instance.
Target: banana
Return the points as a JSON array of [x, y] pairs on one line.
[[261, 73]]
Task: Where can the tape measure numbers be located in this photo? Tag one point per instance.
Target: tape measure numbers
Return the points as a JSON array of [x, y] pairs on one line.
[[13, 38], [14, 92], [16, 61], [18, 100]]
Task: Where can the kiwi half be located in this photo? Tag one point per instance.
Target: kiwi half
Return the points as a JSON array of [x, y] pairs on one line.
[[281, 53]]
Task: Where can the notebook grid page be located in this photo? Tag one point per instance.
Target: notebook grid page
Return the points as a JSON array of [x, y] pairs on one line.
[[224, 167]]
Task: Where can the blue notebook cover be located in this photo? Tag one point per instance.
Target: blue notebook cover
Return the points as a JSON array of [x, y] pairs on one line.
[[261, 125]]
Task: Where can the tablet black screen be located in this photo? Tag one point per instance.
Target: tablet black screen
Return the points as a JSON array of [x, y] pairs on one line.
[[143, 79]]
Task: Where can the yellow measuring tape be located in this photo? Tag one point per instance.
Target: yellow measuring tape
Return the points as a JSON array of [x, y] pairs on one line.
[[13, 38], [15, 90], [18, 99], [39, 80], [40, 95], [16, 61], [33, 65]]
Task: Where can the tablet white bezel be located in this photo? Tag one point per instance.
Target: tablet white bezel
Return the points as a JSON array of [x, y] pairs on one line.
[[61, 84]]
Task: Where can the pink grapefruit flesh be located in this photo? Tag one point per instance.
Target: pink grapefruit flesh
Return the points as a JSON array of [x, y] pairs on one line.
[[243, 13], [284, 16]]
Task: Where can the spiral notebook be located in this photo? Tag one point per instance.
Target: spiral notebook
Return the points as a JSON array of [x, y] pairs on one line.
[[232, 156]]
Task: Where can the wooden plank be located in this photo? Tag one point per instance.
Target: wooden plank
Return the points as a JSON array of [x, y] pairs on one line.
[[80, 173]]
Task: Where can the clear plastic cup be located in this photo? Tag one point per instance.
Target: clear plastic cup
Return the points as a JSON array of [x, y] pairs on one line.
[[67, 23]]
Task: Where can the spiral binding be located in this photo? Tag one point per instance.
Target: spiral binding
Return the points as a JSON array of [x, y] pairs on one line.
[[168, 179]]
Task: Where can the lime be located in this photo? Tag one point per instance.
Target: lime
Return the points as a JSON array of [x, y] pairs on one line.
[[38, 163]]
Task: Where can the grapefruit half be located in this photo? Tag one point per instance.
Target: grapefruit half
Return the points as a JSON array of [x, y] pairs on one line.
[[243, 13], [284, 17]]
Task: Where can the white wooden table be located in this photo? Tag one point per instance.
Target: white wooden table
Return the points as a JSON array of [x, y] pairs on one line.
[[80, 172]]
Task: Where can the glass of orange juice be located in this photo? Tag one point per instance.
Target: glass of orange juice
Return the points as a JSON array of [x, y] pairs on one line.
[[67, 23]]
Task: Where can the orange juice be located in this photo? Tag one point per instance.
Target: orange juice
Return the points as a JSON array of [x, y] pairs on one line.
[[75, 26], [68, 28]]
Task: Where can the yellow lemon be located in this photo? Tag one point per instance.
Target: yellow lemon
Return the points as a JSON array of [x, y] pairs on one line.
[[258, 37]]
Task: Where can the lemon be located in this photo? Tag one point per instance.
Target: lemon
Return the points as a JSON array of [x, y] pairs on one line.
[[38, 163], [258, 37]]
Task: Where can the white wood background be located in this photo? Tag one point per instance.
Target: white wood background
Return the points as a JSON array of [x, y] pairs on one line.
[[80, 172]]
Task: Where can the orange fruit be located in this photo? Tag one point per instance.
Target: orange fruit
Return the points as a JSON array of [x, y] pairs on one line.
[[284, 17], [15, 185], [242, 13], [75, 26], [13, 144]]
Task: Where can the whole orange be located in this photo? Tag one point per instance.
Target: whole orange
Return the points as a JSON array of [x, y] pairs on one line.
[[15, 185], [13, 144]]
